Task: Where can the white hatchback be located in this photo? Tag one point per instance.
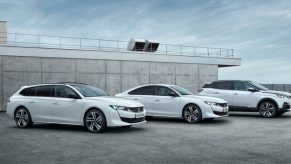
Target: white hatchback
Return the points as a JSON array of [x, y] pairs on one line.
[[71, 103], [174, 101]]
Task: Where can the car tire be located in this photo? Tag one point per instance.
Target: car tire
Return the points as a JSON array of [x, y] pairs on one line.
[[268, 109], [95, 121], [192, 113], [22, 118]]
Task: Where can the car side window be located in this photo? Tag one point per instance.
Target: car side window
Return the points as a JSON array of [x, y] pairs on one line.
[[162, 91], [147, 90], [240, 86], [208, 85], [63, 91], [44, 91], [28, 92], [224, 85]]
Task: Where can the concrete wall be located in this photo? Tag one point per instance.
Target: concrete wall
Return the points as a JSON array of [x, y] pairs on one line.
[[3, 30], [114, 76], [279, 87]]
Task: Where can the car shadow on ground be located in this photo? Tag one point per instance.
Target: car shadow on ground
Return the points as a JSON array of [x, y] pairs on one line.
[[182, 121], [257, 115], [79, 128]]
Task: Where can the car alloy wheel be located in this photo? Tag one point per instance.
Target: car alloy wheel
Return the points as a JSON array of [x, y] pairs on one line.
[[192, 113], [22, 118], [95, 121], [267, 109]]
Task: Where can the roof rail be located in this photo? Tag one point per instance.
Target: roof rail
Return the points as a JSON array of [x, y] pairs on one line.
[[70, 83]]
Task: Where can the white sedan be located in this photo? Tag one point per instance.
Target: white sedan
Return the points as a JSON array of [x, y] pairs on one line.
[[174, 101], [71, 103]]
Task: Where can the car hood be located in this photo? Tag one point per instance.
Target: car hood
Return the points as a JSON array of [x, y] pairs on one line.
[[116, 101], [205, 98], [278, 92]]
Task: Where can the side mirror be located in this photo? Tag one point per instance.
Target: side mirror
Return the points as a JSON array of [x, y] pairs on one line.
[[73, 96], [173, 94], [252, 90]]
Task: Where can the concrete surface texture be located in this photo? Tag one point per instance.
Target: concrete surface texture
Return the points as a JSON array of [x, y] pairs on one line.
[[279, 87], [3, 30], [240, 138], [113, 76]]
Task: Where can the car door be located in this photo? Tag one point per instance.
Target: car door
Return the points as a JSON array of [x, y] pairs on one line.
[[65, 109], [143, 95], [41, 103], [165, 105], [223, 90], [242, 97]]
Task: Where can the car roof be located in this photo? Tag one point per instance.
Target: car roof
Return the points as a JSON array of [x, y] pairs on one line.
[[231, 80], [60, 83], [167, 85]]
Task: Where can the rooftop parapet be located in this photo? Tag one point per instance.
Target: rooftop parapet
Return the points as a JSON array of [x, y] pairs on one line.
[[63, 42]]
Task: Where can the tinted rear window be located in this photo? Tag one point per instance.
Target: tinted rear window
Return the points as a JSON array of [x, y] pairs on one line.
[[148, 90], [44, 91], [28, 92]]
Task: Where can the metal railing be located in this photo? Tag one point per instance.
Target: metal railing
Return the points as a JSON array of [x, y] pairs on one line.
[[46, 41]]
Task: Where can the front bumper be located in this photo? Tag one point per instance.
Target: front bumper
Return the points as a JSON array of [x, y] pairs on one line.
[[285, 107], [126, 118], [217, 111], [133, 120]]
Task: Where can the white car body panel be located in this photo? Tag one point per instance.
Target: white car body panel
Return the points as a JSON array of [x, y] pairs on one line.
[[168, 106], [71, 111], [247, 99]]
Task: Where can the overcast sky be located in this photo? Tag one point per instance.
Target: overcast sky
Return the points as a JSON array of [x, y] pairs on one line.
[[258, 30]]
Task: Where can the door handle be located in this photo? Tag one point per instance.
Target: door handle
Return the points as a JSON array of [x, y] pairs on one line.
[[55, 103], [216, 92], [157, 99], [235, 93], [31, 101], [135, 99]]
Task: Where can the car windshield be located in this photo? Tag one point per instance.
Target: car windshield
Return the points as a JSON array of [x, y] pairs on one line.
[[181, 90], [89, 91], [258, 86]]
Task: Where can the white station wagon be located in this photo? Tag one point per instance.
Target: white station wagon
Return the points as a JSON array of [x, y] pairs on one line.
[[71, 103]]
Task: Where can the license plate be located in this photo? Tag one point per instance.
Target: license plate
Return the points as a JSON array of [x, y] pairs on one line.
[[139, 115]]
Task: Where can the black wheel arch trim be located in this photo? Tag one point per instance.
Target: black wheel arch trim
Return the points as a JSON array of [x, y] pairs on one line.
[[187, 105], [95, 109], [268, 99], [20, 106]]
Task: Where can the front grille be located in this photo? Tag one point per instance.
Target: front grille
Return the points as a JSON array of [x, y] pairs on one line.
[[136, 110], [132, 120], [220, 113], [222, 104]]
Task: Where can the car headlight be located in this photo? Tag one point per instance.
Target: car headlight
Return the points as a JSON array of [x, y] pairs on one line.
[[212, 103], [282, 96], [116, 107]]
